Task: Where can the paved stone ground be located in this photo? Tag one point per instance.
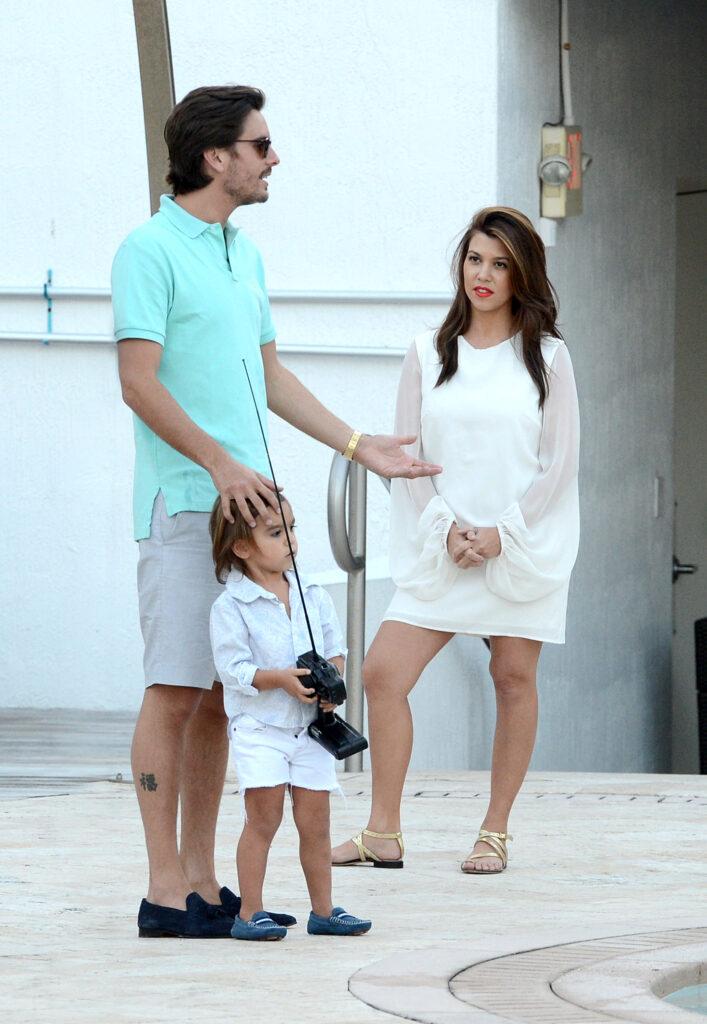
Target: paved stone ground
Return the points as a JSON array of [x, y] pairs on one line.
[[594, 855]]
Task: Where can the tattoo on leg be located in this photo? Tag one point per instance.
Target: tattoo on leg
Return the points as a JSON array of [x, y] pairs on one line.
[[148, 782]]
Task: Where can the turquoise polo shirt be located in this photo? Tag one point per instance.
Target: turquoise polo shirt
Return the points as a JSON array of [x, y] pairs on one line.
[[199, 292]]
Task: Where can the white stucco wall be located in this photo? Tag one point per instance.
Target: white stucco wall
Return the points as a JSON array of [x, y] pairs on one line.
[[387, 142]]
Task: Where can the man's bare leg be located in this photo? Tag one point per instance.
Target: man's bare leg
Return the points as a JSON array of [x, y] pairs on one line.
[[205, 758], [389, 678], [156, 758]]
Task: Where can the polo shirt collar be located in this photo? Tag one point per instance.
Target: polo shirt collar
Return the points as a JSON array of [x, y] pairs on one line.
[[245, 589], [190, 225]]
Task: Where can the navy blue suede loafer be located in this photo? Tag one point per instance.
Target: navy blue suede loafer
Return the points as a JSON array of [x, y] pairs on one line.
[[232, 905], [199, 921], [338, 923], [260, 928]]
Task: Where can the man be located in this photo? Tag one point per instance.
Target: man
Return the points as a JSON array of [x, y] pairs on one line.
[[190, 305]]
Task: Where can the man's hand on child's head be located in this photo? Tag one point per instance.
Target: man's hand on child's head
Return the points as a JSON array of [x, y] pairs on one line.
[[292, 684]]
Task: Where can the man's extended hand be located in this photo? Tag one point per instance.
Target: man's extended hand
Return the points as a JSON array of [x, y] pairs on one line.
[[384, 455], [235, 481]]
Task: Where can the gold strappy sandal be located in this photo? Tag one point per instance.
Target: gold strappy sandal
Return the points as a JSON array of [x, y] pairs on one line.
[[366, 856], [496, 841]]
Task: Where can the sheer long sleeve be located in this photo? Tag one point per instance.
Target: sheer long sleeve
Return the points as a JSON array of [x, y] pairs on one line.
[[418, 512], [540, 533]]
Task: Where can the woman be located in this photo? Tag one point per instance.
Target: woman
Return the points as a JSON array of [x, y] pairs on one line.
[[486, 548]]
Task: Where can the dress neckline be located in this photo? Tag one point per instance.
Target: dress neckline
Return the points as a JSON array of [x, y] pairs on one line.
[[487, 348]]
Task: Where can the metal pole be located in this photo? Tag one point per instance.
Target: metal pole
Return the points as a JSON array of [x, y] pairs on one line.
[[356, 606], [157, 82]]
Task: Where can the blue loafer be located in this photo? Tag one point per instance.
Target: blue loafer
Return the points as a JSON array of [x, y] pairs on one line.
[[338, 923], [232, 905], [261, 927]]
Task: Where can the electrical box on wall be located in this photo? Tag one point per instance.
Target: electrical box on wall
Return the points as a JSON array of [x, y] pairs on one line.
[[561, 171]]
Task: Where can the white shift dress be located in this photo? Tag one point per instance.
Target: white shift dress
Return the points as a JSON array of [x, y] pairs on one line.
[[506, 464]]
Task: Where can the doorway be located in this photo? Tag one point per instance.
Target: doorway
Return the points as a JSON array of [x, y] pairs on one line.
[[690, 477]]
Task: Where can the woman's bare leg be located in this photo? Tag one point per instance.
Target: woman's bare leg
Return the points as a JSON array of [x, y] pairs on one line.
[[393, 665], [513, 667]]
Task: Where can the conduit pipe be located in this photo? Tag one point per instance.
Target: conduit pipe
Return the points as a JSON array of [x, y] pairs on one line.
[[320, 297], [566, 46], [283, 349], [48, 292]]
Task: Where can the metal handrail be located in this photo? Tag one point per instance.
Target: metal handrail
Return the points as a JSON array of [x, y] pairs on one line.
[[347, 537], [346, 513], [337, 516]]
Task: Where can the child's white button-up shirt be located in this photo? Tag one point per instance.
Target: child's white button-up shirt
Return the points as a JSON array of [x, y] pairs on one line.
[[250, 629]]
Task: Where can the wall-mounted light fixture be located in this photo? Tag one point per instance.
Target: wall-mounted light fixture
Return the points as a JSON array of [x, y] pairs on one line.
[[562, 162]]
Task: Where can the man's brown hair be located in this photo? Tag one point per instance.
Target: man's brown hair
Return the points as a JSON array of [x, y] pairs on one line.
[[210, 117]]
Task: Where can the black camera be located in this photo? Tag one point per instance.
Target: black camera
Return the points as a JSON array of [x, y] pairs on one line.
[[324, 679], [329, 729]]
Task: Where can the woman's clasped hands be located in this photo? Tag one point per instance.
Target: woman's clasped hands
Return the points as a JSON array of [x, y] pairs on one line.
[[471, 546]]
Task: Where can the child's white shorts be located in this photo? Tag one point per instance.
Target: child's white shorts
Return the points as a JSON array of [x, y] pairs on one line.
[[270, 755]]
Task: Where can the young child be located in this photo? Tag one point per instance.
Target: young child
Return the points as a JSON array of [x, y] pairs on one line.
[[258, 630]]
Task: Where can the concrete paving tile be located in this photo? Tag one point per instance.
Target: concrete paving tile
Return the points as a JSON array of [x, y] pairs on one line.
[[581, 868]]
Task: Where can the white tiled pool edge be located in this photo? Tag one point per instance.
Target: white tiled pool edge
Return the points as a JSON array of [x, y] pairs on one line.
[[632, 986], [416, 986]]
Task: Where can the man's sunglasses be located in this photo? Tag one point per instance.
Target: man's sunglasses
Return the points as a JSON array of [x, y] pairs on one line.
[[261, 146]]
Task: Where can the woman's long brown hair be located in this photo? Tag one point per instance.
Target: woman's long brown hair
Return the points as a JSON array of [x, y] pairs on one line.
[[534, 302]]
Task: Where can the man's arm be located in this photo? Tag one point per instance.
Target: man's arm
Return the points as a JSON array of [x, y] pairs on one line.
[[290, 399], [138, 363]]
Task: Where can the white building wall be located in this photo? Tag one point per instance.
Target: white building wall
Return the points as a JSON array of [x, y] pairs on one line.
[[384, 117], [394, 123]]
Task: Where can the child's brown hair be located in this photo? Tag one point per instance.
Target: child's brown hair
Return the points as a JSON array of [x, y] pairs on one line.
[[224, 535]]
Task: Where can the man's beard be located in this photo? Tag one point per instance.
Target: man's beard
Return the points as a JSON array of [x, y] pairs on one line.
[[242, 198]]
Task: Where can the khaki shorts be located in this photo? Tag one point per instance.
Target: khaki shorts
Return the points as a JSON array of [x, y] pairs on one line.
[[176, 588]]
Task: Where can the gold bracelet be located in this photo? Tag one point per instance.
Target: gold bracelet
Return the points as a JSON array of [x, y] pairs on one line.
[[348, 453]]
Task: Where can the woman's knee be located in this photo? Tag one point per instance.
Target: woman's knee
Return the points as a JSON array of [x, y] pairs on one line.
[[380, 681], [512, 679]]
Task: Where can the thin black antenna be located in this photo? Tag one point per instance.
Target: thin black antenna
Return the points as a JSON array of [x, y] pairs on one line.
[[282, 511]]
